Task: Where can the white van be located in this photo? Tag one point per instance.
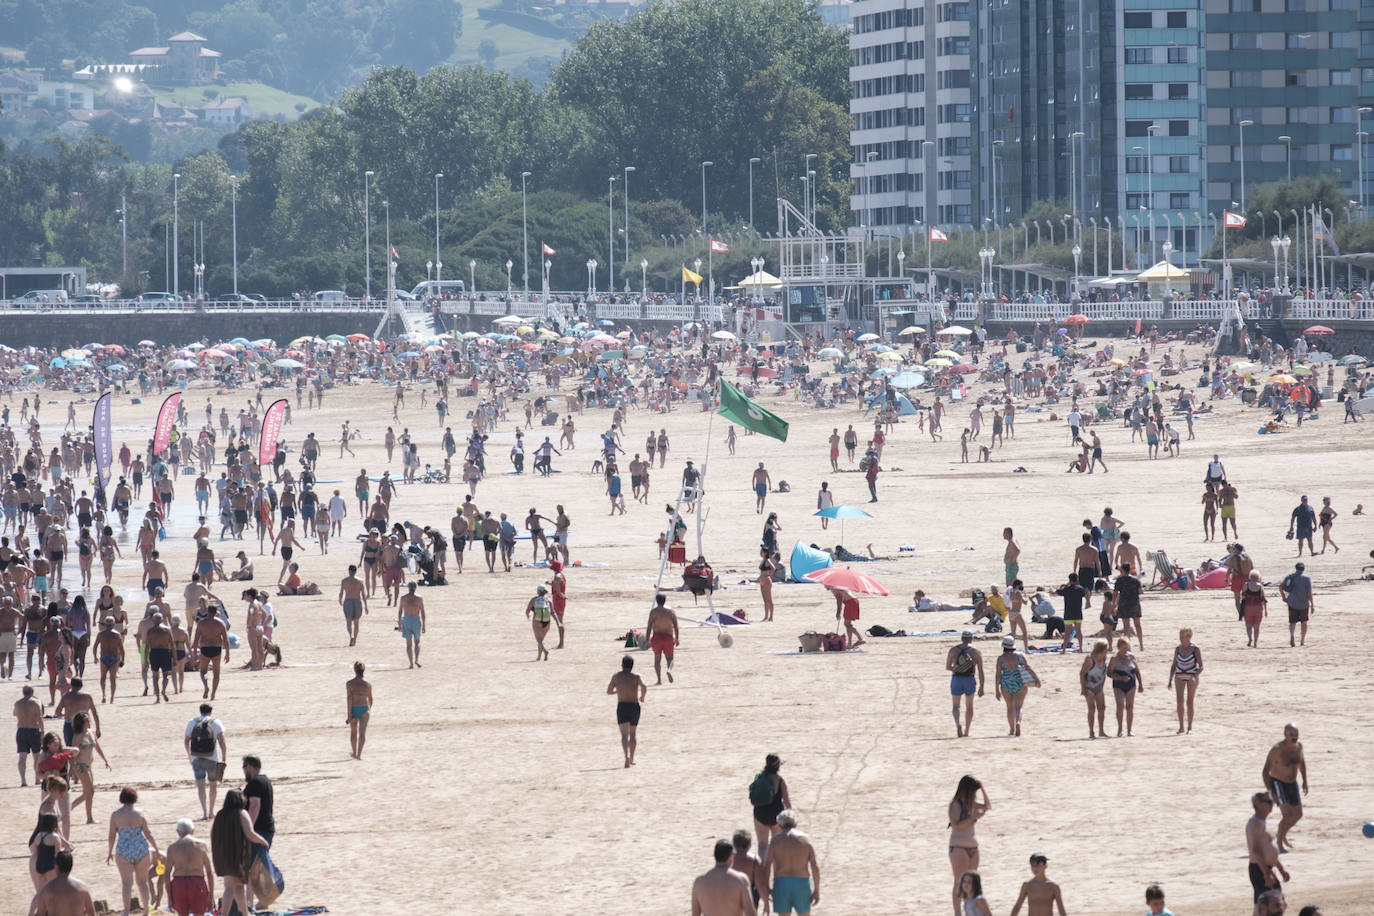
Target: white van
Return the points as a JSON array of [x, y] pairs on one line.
[[45, 296], [442, 289]]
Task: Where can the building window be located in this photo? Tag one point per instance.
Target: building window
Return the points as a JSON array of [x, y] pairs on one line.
[[1137, 201], [1296, 116], [1340, 152], [962, 213], [1177, 55], [1341, 78], [1366, 75], [952, 12], [1342, 4], [954, 45], [1180, 201], [1342, 40], [1142, 55], [1137, 20], [953, 79], [1176, 19], [1138, 128], [1178, 92], [1140, 92], [1245, 6], [1178, 129], [1180, 165], [1295, 6], [1295, 77], [1245, 114], [1245, 79], [1340, 115], [1137, 165], [1366, 37], [1245, 41], [1296, 41]]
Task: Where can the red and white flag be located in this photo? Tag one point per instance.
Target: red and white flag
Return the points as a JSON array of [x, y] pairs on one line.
[[719, 247], [937, 236], [1234, 220], [546, 249], [394, 255], [271, 430]]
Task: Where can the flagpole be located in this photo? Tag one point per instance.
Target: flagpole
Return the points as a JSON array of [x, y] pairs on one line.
[[930, 275]]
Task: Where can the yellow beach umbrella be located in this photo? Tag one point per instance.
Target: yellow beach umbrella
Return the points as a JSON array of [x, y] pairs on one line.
[[938, 361]]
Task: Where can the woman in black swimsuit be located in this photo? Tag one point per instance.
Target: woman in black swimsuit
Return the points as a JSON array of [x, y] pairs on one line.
[[766, 815], [766, 569], [1126, 682]]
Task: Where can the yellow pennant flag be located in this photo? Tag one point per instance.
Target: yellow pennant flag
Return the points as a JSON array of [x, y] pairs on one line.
[[691, 277]]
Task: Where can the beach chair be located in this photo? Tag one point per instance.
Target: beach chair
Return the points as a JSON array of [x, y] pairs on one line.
[[1164, 575]]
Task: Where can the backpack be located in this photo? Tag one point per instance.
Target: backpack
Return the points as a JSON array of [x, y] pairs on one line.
[[761, 790], [203, 737], [994, 624]]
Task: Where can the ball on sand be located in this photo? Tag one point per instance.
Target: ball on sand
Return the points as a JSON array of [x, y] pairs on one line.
[[1369, 829], [726, 641]]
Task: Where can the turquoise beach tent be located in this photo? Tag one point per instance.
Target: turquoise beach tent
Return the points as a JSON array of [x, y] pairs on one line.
[[805, 560]]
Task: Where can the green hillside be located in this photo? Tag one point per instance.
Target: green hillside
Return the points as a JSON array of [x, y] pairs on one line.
[[262, 99], [518, 52]]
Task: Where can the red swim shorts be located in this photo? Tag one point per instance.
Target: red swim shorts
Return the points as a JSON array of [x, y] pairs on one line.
[[662, 642]]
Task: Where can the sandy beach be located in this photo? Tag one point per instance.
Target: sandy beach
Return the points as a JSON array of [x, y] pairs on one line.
[[492, 784]]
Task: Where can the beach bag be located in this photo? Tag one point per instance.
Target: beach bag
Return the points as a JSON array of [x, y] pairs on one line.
[[832, 642], [879, 630], [265, 877], [761, 790], [810, 641]]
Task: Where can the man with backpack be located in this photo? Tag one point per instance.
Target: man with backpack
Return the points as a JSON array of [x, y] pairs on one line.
[[206, 749], [963, 662]]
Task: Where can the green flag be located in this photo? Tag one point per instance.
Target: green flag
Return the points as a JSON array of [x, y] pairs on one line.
[[746, 413]]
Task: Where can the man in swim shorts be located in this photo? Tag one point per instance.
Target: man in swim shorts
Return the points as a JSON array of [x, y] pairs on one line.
[[160, 644], [191, 870], [663, 634], [791, 859], [1282, 768], [1011, 556], [965, 665], [410, 620], [630, 691], [722, 890], [1264, 856], [761, 481], [203, 744], [28, 734], [353, 600]]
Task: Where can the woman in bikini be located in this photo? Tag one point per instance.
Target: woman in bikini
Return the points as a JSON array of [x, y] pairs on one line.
[[969, 804], [1010, 683], [1254, 607], [1209, 512], [86, 749], [766, 569], [1183, 675], [1325, 518], [1126, 681], [85, 555], [1091, 679]]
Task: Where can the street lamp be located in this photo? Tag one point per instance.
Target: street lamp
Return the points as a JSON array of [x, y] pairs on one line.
[[996, 155], [704, 166], [525, 233], [1288, 153], [1150, 180], [1359, 137], [1077, 270], [390, 261], [176, 255], [628, 170], [610, 230], [985, 255], [1243, 124], [643, 279], [752, 161], [438, 263], [901, 272], [757, 265], [696, 267], [472, 279], [1284, 244], [234, 187], [509, 265], [591, 276], [548, 265], [367, 235], [1277, 245], [1074, 202]]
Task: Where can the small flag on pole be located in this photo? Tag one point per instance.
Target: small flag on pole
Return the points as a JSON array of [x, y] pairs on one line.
[[394, 255], [937, 236], [719, 247], [546, 249], [735, 406], [1234, 220], [690, 276]]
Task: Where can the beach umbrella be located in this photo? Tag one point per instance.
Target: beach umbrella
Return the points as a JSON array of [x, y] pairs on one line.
[[831, 353], [301, 340], [471, 335], [639, 352], [606, 323], [908, 380], [1302, 370], [337, 338], [548, 334], [93, 346], [508, 319], [29, 367], [624, 335], [57, 363], [241, 341], [963, 369], [199, 346], [1242, 365], [524, 329], [853, 582], [177, 364], [485, 341], [523, 346], [286, 363], [265, 343], [1283, 379], [909, 330], [954, 330], [884, 371], [146, 343], [862, 338], [1139, 372], [1319, 329], [113, 348], [409, 354], [117, 367], [842, 513], [74, 353], [434, 348], [213, 353], [949, 354], [359, 338], [890, 355], [723, 335], [609, 355], [877, 348], [1077, 319], [1354, 359], [939, 362]]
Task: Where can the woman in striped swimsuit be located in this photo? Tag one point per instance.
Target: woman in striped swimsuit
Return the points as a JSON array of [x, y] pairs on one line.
[[1183, 675]]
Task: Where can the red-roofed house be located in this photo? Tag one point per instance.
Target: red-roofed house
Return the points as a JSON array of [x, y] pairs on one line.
[[185, 61]]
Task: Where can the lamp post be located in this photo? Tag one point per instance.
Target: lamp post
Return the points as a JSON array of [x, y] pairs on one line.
[[868, 183], [548, 265], [985, 259], [757, 264], [176, 254], [1284, 244], [752, 161], [610, 231], [591, 276], [696, 266], [438, 262], [1243, 124], [643, 279], [810, 206], [929, 206], [1276, 245], [628, 169], [429, 270], [901, 271], [1074, 202], [996, 160], [1287, 153], [124, 238], [509, 265], [525, 234], [200, 275], [234, 188], [1077, 258], [390, 262], [472, 279], [706, 164]]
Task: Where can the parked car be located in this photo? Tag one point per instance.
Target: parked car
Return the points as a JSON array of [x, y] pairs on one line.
[[86, 299], [154, 296], [232, 299], [443, 289], [330, 295]]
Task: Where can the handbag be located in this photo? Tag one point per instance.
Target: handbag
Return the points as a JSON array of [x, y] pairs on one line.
[[265, 877]]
